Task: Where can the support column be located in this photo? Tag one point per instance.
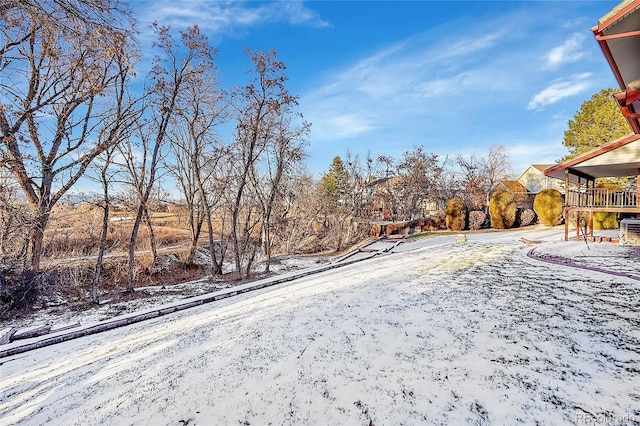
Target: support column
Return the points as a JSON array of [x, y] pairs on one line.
[[581, 202], [566, 204]]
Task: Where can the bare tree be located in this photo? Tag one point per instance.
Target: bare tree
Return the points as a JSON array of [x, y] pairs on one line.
[[196, 155], [497, 167], [299, 211], [385, 188], [409, 184], [175, 68], [106, 178], [472, 181], [62, 70], [261, 103], [421, 175], [359, 176], [96, 22], [479, 175], [283, 153]]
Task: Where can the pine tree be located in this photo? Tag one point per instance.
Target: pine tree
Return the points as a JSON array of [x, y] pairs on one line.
[[335, 181], [598, 122]]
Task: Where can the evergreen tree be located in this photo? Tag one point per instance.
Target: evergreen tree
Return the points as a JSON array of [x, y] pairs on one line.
[[598, 122], [335, 182]]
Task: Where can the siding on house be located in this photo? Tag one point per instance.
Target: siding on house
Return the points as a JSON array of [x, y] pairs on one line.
[[534, 179]]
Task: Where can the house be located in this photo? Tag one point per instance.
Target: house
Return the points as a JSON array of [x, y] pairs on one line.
[[618, 34], [535, 180], [616, 159], [532, 181]]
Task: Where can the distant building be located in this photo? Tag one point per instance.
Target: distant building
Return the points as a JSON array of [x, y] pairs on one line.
[[535, 180]]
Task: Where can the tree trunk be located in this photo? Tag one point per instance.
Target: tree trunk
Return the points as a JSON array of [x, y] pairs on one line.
[[103, 245], [196, 230], [132, 248], [37, 237], [250, 261], [266, 244], [216, 269], [152, 239], [236, 244]]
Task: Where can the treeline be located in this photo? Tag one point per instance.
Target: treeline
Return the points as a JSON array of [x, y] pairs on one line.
[[406, 188]]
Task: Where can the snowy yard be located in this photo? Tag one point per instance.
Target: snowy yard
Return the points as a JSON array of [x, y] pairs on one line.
[[437, 333]]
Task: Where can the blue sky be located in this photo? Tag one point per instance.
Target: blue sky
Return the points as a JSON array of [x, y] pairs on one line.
[[386, 76]]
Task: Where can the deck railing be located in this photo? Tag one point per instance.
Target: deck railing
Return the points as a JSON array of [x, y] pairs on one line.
[[603, 197]]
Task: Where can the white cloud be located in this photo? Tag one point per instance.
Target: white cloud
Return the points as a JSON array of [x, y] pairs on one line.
[[559, 90], [485, 80], [568, 52], [349, 125], [389, 86], [295, 13], [467, 46], [222, 17]]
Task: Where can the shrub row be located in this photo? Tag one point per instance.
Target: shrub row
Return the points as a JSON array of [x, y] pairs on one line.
[[504, 212]]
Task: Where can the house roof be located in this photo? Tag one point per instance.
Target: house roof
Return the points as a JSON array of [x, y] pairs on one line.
[[393, 180], [541, 167], [618, 34], [513, 186], [618, 158]]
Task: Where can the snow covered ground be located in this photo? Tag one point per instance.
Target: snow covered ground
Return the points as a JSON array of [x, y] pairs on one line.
[[436, 332]]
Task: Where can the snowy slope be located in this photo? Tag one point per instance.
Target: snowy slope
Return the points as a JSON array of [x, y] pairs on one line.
[[441, 333]]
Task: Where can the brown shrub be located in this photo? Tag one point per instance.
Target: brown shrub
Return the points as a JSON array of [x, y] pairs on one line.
[[502, 209], [548, 207], [456, 214]]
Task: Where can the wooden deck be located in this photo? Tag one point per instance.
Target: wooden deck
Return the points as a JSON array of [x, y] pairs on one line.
[[592, 200]]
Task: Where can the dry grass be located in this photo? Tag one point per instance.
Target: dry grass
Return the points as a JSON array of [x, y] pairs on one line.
[[71, 246]]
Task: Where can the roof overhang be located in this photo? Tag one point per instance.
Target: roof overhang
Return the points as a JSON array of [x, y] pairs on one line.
[[618, 34], [615, 159]]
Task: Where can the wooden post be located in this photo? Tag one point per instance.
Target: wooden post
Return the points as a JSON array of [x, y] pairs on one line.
[[566, 204], [580, 203], [566, 187], [578, 188]]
